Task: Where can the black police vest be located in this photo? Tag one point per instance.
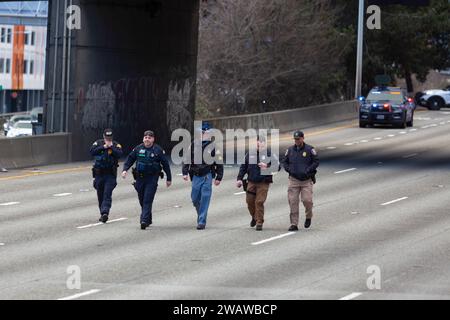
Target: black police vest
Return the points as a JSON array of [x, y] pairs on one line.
[[105, 160], [148, 161]]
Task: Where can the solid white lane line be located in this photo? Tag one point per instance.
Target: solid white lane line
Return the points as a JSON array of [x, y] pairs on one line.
[[8, 204], [273, 238], [238, 193], [394, 201], [100, 223], [62, 194], [76, 296], [351, 296], [346, 170], [410, 155]]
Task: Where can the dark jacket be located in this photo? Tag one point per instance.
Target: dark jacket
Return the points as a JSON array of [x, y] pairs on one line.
[[149, 161], [253, 171], [106, 159], [191, 169], [301, 162]]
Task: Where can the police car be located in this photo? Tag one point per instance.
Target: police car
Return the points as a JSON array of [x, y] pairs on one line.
[[386, 105]]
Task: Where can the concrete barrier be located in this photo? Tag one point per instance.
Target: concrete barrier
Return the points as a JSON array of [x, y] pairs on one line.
[[289, 120], [23, 152]]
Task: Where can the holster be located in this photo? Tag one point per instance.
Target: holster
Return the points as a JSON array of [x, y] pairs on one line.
[[245, 184], [313, 176]]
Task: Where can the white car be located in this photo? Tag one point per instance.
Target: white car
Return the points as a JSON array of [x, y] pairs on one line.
[[20, 129], [435, 99], [10, 123]]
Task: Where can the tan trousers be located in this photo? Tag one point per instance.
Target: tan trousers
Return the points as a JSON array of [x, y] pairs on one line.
[[256, 196], [304, 189]]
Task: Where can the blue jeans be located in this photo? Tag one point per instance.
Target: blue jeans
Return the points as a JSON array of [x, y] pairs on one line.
[[105, 184], [201, 196], [146, 189]]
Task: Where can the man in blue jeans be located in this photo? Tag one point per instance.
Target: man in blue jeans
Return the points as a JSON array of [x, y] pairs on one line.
[[202, 175]]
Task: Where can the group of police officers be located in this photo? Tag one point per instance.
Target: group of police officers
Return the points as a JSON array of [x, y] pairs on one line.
[[300, 161]]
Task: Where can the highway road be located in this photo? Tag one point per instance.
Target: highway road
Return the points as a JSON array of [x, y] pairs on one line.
[[382, 202]]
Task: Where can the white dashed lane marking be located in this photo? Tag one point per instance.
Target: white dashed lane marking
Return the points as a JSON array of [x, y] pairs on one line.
[[238, 193], [346, 170], [79, 295], [9, 204], [100, 223], [351, 296], [62, 194], [410, 155], [273, 238], [394, 201]]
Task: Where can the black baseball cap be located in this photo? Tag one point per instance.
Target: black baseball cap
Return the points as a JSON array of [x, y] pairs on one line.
[[149, 133], [298, 134], [108, 133]]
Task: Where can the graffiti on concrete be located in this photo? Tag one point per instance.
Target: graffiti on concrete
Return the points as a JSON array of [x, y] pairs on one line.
[[178, 114], [98, 111], [141, 103]]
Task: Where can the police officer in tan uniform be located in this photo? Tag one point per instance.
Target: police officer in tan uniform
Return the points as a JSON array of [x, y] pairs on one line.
[[300, 162]]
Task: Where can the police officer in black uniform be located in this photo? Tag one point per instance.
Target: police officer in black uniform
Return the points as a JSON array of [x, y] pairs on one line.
[[301, 162], [106, 153], [150, 158]]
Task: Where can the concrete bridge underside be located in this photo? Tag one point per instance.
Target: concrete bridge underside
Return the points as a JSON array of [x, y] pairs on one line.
[[131, 66]]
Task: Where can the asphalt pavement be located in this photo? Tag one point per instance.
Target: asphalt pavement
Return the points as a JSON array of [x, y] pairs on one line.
[[381, 202]]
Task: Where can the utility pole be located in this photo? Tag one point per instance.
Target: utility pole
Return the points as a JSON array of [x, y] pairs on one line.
[[359, 53]]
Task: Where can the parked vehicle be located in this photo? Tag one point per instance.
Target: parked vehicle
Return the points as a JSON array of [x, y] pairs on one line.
[[434, 99], [21, 129], [10, 123]]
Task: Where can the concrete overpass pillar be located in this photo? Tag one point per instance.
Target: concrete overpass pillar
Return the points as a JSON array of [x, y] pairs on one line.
[[131, 67]]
